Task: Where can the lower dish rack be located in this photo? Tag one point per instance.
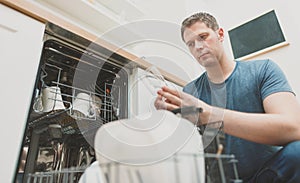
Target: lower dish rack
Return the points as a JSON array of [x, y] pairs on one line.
[[70, 175], [221, 169]]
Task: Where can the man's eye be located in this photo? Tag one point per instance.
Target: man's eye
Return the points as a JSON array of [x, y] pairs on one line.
[[190, 44], [202, 37]]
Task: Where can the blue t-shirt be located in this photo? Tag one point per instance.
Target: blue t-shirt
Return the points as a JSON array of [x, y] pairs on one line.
[[244, 90]]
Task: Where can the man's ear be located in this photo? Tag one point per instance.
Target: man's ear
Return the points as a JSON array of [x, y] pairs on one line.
[[221, 34]]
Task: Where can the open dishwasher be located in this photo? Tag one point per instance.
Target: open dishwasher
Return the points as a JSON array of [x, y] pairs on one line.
[[79, 87]]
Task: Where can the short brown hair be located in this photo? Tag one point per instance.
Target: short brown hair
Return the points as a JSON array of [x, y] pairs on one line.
[[206, 18]]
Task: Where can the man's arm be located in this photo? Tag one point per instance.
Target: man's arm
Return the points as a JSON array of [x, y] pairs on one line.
[[278, 126]]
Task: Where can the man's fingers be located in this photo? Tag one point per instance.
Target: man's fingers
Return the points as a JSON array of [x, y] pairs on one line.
[[172, 91], [170, 106], [170, 98], [161, 104]]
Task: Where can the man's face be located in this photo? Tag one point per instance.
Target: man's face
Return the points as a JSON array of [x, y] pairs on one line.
[[204, 43]]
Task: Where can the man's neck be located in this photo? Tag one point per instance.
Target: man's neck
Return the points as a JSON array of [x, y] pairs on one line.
[[220, 72]]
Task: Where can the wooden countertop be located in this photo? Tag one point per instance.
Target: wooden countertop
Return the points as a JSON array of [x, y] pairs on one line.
[[30, 9]]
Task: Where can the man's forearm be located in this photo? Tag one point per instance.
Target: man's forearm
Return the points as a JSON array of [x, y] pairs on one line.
[[272, 129]]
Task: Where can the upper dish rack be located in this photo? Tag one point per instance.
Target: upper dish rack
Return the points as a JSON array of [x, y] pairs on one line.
[[74, 108]]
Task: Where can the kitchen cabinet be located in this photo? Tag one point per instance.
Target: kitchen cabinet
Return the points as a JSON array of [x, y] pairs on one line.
[[21, 44]]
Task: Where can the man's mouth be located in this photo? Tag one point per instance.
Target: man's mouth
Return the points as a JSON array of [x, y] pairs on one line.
[[203, 54]]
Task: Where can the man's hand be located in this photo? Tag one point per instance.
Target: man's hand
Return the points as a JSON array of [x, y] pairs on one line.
[[171, 99]]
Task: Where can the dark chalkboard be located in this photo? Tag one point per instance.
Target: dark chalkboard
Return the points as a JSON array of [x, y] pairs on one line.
[[255, 35]]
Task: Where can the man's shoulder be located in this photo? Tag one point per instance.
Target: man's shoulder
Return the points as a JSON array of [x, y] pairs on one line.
[[192, 84], [256, 62], [255, 65]]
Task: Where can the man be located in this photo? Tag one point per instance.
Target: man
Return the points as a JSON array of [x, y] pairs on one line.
[[253, 99]]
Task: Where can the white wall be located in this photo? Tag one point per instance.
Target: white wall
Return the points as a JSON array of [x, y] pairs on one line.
[[232, 13], [173, 59]]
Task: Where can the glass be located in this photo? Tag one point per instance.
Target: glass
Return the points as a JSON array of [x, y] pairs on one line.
[[153, 80]]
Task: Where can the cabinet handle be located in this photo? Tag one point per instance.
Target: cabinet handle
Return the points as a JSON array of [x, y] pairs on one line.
[[8, 28]]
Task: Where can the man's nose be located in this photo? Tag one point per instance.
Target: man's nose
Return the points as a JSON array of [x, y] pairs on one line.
[[199, 44]]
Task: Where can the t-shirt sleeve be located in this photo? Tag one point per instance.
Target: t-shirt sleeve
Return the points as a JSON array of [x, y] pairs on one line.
[[273, 80], [191, 88], [187, 88]]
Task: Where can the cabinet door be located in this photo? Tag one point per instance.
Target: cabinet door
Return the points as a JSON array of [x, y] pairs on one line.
[[21, 43]]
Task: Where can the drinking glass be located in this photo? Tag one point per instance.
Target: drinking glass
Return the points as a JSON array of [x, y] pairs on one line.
[[153, 80]]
